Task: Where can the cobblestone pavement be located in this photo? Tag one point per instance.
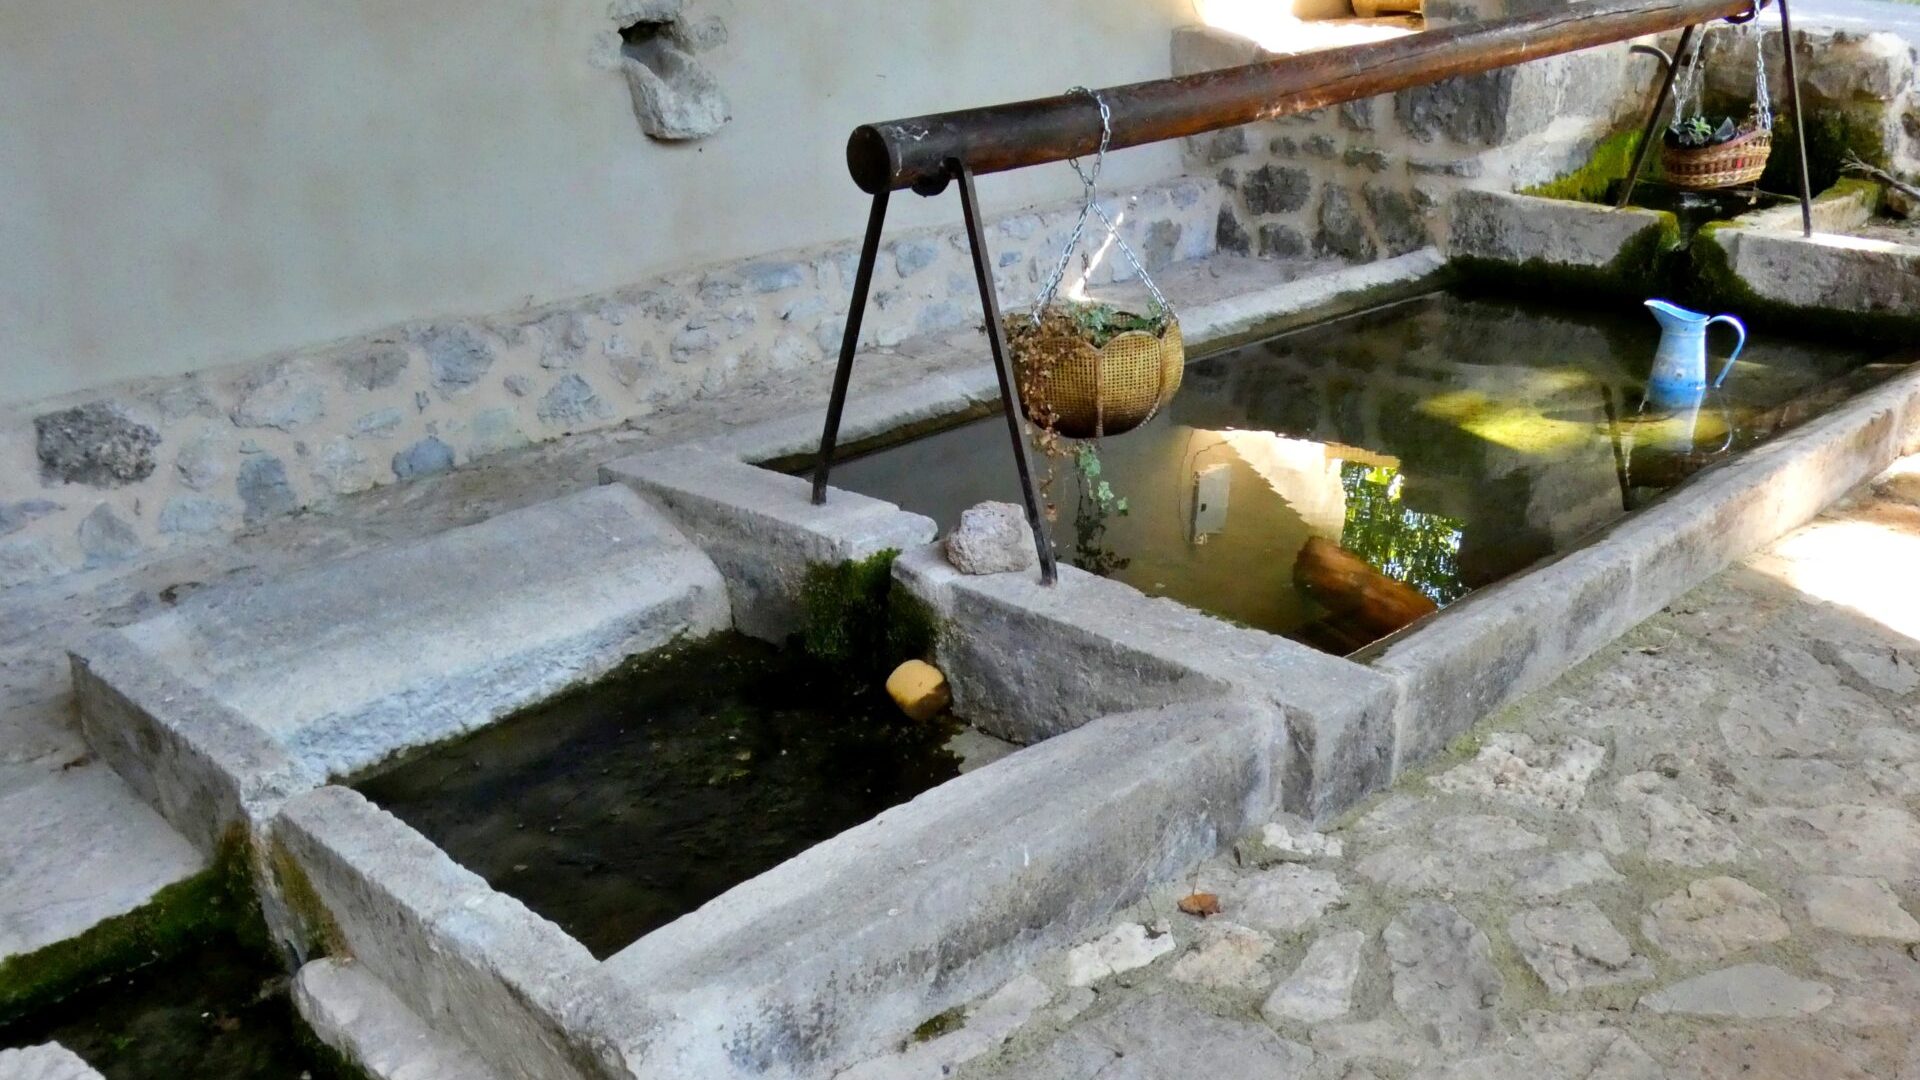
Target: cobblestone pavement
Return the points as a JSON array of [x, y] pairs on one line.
[[1695, 856]]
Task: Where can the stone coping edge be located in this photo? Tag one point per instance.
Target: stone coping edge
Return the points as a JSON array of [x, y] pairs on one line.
[[818, 962], [1517, 636]]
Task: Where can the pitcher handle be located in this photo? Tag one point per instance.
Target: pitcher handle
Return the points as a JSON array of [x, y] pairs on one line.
[[1741, 329]]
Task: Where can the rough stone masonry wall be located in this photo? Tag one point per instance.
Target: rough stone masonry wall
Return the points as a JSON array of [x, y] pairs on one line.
[[100, 477], [1368, 179], [1858, 89]]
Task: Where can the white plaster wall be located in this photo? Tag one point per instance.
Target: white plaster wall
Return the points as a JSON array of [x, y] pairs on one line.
[[199, 182]]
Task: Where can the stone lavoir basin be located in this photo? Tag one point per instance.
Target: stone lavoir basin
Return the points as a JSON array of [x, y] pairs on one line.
[[619, 807], [1336, 482]]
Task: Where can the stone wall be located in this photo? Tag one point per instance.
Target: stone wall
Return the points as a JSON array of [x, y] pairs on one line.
[[1369, 179], [1858, 89], [99, 477], [216, 181]]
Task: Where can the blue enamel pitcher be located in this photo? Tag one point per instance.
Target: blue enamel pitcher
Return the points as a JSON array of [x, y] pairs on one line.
[[1680, 363]]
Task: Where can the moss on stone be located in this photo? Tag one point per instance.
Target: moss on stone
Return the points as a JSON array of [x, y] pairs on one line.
[[1645, 265], [1848, 187], [1609, 163], [939, 1024], [1831, 135], [1714, 283], [309, 912], [856, 619], [218, 901]]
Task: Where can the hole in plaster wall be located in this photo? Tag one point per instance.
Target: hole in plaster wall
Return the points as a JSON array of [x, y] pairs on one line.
[[674, 96], [641, 41]]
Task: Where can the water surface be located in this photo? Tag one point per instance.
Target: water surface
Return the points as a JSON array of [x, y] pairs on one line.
[[215, 1011], [619, 808], [1441, 444]]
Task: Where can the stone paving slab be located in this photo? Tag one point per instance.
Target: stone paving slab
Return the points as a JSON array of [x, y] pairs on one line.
[[379, 641], [1696, 855]]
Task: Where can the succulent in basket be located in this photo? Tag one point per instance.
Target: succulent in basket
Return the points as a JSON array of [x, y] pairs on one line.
[[1695, 132]]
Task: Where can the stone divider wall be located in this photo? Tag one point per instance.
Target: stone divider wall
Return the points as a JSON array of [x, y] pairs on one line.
[[102, 477]]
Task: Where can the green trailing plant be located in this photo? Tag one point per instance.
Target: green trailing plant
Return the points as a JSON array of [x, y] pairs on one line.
[[1098, 505], [1086, 462]]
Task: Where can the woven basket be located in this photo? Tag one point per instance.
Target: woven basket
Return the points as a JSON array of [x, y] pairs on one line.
[[1082, 392], [1733, 163]]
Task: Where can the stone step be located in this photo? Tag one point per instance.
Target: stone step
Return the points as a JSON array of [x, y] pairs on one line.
[[48, 1061], [53, 889], [355, 1014]]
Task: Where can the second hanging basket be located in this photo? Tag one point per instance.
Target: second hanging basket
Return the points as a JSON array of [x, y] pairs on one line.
[[1704, 160], [1087, 371], [1735, 163]]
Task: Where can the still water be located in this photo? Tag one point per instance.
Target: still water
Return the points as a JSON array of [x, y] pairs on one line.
[[218, 1010], [1332, 483], [618, 808]]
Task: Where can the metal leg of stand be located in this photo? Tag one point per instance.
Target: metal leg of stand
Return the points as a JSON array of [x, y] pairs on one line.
[[1009, 393], [849, 342], [1650, 136], [1799, 125]]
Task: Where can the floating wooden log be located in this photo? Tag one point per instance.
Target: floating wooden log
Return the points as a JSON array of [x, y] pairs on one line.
[[1363, 603]]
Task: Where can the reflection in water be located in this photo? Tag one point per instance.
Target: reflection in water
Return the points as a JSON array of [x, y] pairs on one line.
[[1437, 445], [1422, 550]]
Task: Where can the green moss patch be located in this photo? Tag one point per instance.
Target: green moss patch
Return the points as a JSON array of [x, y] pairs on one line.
[[1714, 284], [323, 936], [855, 619], [1645, 265], [1831, 135], [939, 1024], [1609, 164]]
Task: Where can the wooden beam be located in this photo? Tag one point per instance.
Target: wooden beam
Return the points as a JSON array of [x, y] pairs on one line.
[[916, 152]]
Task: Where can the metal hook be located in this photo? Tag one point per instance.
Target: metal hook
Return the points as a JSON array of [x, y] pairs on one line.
[[1658, 53]]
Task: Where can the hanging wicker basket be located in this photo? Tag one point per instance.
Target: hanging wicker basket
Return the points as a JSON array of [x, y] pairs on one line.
[[1734, 163], [1070, 387]]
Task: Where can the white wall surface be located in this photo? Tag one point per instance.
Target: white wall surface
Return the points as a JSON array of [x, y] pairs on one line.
[[198, 182]]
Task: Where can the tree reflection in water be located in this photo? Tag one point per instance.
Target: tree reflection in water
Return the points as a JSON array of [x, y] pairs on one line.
[[1422, 550]]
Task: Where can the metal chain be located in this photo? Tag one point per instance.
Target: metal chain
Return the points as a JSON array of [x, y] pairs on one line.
[[1090, 204], [1688, 83], [1762, 93]]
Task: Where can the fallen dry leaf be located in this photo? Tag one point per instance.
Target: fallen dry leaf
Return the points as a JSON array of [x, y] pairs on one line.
[[1202, 904]]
